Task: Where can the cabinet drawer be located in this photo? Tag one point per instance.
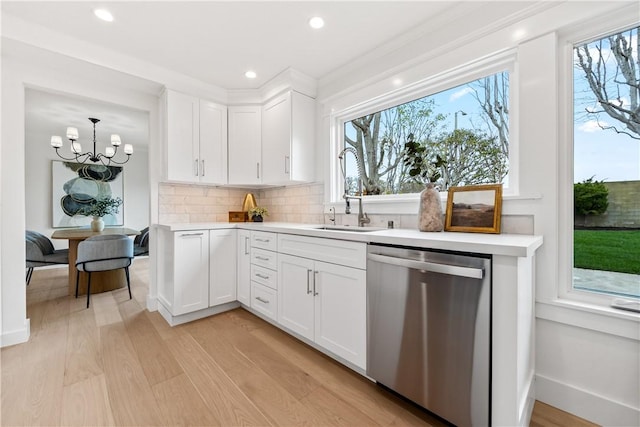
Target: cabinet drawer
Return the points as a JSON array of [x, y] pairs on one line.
[[264, 276], [264, 240], [264, 300], [341, 252], [264, 258]]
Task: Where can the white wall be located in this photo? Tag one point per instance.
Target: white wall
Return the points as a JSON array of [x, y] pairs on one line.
[[29, 67], [38, 176], [580, 348], [587, 356]]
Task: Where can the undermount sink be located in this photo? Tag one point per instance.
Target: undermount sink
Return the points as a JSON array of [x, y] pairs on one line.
[[348, 228]]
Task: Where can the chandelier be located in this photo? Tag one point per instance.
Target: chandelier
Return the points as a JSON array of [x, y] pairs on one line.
[[94, 156]]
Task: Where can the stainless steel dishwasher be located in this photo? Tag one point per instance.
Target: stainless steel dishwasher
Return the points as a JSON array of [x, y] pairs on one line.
[[429, 329]]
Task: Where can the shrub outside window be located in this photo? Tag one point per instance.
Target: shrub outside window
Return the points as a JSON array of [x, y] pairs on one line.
[[606, 137]]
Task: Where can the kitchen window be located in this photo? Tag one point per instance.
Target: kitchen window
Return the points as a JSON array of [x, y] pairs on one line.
[[606, 165], [455, 136]]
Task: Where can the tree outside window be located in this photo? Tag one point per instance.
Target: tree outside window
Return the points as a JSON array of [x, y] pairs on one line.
[[456, 137], [607, 165]]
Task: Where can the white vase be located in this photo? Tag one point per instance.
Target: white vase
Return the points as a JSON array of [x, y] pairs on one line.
[[97, 224]]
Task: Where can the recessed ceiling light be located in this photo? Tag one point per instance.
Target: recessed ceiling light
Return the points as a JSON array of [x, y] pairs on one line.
[[316, 22], [103, 14], [250, 74]]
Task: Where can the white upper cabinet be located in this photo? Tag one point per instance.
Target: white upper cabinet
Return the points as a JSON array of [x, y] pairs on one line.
[[182, 136], [288, 134], [213, 143], [245, 145], [196, 139]]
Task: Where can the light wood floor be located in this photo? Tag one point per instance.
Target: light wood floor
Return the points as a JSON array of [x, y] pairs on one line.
[[118, 364]]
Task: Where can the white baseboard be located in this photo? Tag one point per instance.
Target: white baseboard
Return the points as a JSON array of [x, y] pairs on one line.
[[584, 404], [528, 402], [196, 315], [152, 303], [16, 337]]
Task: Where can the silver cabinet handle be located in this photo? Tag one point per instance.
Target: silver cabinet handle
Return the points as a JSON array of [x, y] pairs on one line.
[[261, 276], [202, 167], [246, 246], [258, 170], [191, 234], [262, 258], [315, 276], [262, 300], [287, 168], [262, 240], [195, 169], [308, 281], [452, 270]]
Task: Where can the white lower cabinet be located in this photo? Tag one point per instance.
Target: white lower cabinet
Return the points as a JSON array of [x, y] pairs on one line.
[[325, 303], [243, 289], [197, 269], [295, 294], [263, 273], [184, 273], [222, 267], [264, 300]]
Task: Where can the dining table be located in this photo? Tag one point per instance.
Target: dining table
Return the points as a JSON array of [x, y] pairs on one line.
[[101, 281]]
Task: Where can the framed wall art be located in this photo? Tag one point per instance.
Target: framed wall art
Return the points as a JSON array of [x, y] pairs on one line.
[[75, 185], [474, 208]]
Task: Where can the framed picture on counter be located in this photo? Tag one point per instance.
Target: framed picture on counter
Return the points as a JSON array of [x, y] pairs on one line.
[[474, 208]]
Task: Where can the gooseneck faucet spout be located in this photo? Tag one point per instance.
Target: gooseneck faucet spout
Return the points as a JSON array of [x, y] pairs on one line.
[[362, 217]]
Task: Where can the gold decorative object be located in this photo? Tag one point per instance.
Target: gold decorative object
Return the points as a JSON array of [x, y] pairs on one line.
[[235, 216], [249, 202]]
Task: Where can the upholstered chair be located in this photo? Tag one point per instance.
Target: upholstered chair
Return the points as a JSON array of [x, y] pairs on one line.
[[40, 252], [141, 243], [104, 253]]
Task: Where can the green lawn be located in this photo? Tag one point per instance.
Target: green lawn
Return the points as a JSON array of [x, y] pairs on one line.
[[609, 250]]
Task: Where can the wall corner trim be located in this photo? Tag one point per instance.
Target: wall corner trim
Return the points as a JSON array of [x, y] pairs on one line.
[[16, 337]]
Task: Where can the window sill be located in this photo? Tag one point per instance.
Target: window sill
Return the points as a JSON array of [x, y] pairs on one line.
[[590, 316], [407, 204]]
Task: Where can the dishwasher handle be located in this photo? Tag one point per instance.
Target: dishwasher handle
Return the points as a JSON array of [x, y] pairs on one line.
[[452, 270]]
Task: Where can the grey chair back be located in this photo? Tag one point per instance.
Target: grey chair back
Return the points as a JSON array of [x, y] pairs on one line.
[[104, 252], [141, 242], [40, 252]]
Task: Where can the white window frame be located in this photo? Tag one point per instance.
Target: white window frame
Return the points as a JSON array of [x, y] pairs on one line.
[[406, 203], [565, 290]]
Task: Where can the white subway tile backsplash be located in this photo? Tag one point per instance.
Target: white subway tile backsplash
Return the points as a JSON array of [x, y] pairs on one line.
[[297, 204]]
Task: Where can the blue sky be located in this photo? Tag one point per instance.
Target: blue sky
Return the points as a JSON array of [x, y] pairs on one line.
[[605, 155], [602, 154]]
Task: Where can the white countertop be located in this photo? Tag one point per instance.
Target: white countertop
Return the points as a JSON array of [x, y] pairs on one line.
[[517, 245]]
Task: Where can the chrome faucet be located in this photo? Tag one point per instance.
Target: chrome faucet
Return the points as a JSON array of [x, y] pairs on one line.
[[362, 216]]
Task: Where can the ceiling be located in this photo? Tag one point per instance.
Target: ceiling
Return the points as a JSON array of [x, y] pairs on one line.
[[48, 114], [217, 41]]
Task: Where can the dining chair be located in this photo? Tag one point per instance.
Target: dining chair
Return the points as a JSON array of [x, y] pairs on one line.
[[40, 252], [104, 253], [141, 243]]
